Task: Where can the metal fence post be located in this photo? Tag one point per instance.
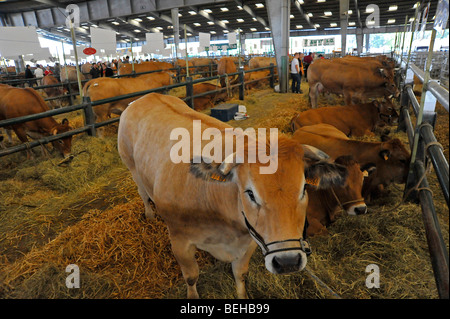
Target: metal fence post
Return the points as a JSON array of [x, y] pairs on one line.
[[69, 89], [89, 116], [178, 74], [272, 75], [189, 92], [241, 84]]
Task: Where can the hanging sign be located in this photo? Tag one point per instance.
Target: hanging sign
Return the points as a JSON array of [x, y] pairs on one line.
[[89, 51], [440, 22], [318, 42]]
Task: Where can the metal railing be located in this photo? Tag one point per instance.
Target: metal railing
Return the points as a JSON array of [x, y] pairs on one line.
[[87, 106], [428, 150]]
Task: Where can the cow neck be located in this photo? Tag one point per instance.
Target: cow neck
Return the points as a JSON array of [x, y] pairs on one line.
[[369, 114], [364, 152]]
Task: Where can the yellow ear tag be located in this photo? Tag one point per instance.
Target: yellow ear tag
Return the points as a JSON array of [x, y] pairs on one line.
[[365, 173], [312, 181], [386, 157], [218, 178]]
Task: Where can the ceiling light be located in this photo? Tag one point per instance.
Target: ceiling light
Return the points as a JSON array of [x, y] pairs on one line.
[[321, 0], [333, 24], [301, 1], [370, 9], [411, 19], [317, 26], [292, 16], [115, 23], [391, 21], [225, 21], [224, 9], [210, 22], [415, 5], [197, 24], [159, 28], [259, 5], [207, 10], [138, 19], [393, 8], [310, 14], [267, 28], [371, 22], [328, 13], [239, 7], [240, 20], [351, 24], [350, 12], [193, 13], [136, 30], [253, 29], [299, 26], [151, 18], [212, 32], [137, 39], [225, 31]]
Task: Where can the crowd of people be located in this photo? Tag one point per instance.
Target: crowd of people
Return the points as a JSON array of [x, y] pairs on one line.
[[299, 68]]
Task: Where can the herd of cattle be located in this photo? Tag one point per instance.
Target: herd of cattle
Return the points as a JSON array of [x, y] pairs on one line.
[[321, 173]]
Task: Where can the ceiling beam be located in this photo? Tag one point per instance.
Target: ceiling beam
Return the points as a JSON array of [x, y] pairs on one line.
[[305, 16], [210, 17], [169, 20], [247, 9]]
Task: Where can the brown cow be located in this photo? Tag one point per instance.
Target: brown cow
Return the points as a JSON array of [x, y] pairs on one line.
[[54, 91], [220, 205], [352, 120], [326, 205], [390, 158], [261, 62], [356, 82], [18, 102], [207, 101], [127, 68], [257, 75], [103, 88], [182, 64], [225, 66], [382, 59], [202, 65], [72, 77]]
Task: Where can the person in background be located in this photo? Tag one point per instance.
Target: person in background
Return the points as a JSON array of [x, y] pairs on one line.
[[95, 72], [100, 69], [307, 60], [109, 71], [39, 74], [48, 71], [29, 75], [56, 70], [295, 74], [127, 59]]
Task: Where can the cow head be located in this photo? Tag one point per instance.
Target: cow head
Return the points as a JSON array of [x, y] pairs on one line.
[[387, 115], [387, 75], [272, 207], [64, 146], [392, 164], [349, 195]]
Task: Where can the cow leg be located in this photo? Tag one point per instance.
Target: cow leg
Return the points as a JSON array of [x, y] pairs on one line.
[[240, 269], [184, 252], [22, 135], [8, 134]]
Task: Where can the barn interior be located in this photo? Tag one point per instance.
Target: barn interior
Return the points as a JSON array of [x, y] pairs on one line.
[[87, 211]]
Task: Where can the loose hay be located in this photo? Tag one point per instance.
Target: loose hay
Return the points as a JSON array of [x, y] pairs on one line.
[[90, 214]]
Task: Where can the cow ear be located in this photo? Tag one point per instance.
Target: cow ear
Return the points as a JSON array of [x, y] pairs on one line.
[[54, 131], [320, 172], [384, 154], [65, 122], [383, 74], [368, 169]]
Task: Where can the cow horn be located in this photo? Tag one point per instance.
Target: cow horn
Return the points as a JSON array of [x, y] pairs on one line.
[[229, 162], [311, 150], [54, 131]]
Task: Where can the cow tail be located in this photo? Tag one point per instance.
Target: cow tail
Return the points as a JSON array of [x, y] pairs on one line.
[[86, 88]]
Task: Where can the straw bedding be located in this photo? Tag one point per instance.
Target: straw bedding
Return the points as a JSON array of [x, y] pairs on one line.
[[88, 213]]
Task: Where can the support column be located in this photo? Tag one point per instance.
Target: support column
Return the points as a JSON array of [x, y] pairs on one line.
[[176, 30], [359, 40], [279, 18], [367, 42], [343, 16]]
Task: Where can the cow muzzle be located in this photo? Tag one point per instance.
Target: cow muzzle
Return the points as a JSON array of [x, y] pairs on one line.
[[284, 256]]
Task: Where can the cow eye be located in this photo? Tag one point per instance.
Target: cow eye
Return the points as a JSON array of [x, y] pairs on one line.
[[251, 195], [60, 142]]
